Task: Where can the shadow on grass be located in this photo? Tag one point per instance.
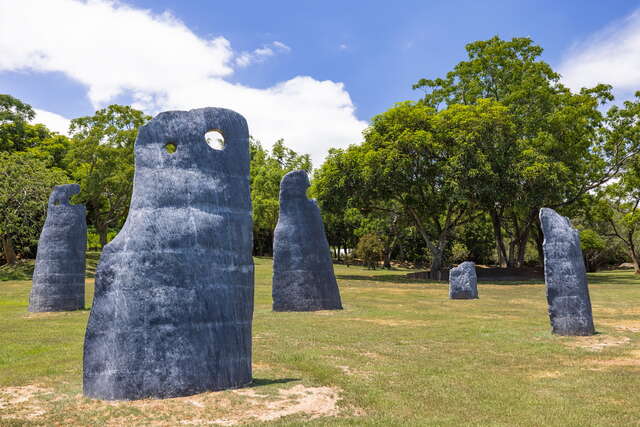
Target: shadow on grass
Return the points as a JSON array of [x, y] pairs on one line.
[[386, 278], [614, 278], [259, 382]]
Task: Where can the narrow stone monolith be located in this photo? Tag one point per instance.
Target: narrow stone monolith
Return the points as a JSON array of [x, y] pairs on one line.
[[173, 301], [303, 277], [58, 278], [463, 281], [565, 276]]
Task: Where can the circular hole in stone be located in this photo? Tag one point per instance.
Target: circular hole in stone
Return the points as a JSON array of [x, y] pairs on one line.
[[56, 203], [215, 139], [170, 147]]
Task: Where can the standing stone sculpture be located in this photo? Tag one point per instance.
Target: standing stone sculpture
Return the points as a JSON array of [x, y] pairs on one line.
[[173, 302], [565, 276], [58, 278], [303, 278], [463, 281]]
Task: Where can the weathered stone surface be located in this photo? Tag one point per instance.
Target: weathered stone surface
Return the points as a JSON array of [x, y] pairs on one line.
[[565, 276], [173, 301], [303, 278], [463, 281], [58, 278]]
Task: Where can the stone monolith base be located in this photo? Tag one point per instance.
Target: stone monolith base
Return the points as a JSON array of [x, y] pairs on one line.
[[173, 302], [565, 276], [303, 277], [58, 278]]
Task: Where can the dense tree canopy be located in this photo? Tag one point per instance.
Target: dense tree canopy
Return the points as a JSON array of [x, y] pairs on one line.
[[101, 161], [25, 184]]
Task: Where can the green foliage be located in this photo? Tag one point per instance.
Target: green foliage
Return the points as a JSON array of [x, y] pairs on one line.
[[370, 249], [267, 170], [101, 160], [548, 148], [459, 252], [14, 124], [25, 185]]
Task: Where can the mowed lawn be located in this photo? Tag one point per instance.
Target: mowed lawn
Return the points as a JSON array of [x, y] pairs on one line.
[[400, 353]]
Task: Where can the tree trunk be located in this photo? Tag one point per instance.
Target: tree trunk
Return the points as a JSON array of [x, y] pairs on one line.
[[9, 252], [635, 258], [511, 260], [436, 263], [103, 231], [539, 240], [497, 232], [522, 247], [387, 260]]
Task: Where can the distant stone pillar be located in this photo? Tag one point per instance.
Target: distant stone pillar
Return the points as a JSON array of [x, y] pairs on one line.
[[173, 302], [463, 281], [565, 276], [303, 277], [58, 278]]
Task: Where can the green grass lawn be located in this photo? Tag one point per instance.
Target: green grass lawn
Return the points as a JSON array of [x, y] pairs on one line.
[[400, 353]]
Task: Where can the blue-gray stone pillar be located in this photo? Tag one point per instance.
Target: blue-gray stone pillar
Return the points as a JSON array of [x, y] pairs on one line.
[[173, 301], [58, 278], [565, 276], [303, 277]]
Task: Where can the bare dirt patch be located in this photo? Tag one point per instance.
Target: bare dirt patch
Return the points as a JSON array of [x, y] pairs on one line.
[[596, 342], [23, 402], [222, 408], [314, 402]]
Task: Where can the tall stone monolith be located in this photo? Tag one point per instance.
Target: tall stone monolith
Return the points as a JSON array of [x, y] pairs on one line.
[[565, 276], [463, 281], [58, 278], [303, 277], [173, 301]]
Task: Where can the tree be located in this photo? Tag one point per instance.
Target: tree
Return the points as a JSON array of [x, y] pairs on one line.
[[332, 187], [554, 152], [370, 250], [14, 120], [25, 185], [101, 160], [267, 170]]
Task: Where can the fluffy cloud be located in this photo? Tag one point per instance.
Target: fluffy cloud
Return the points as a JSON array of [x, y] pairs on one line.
[[610, 56], [114, 49], [53, 121]]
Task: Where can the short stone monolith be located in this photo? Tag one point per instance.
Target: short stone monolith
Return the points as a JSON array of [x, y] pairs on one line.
[[173, 301], [303, 277], [565, 276], [58, 277], [463, 281]]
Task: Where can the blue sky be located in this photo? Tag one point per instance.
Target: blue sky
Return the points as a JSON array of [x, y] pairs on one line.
[[311, 72]]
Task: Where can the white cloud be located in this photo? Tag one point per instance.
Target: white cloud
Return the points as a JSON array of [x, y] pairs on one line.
[[53, 121], [610, 56], [114, 49], [261, 54]]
